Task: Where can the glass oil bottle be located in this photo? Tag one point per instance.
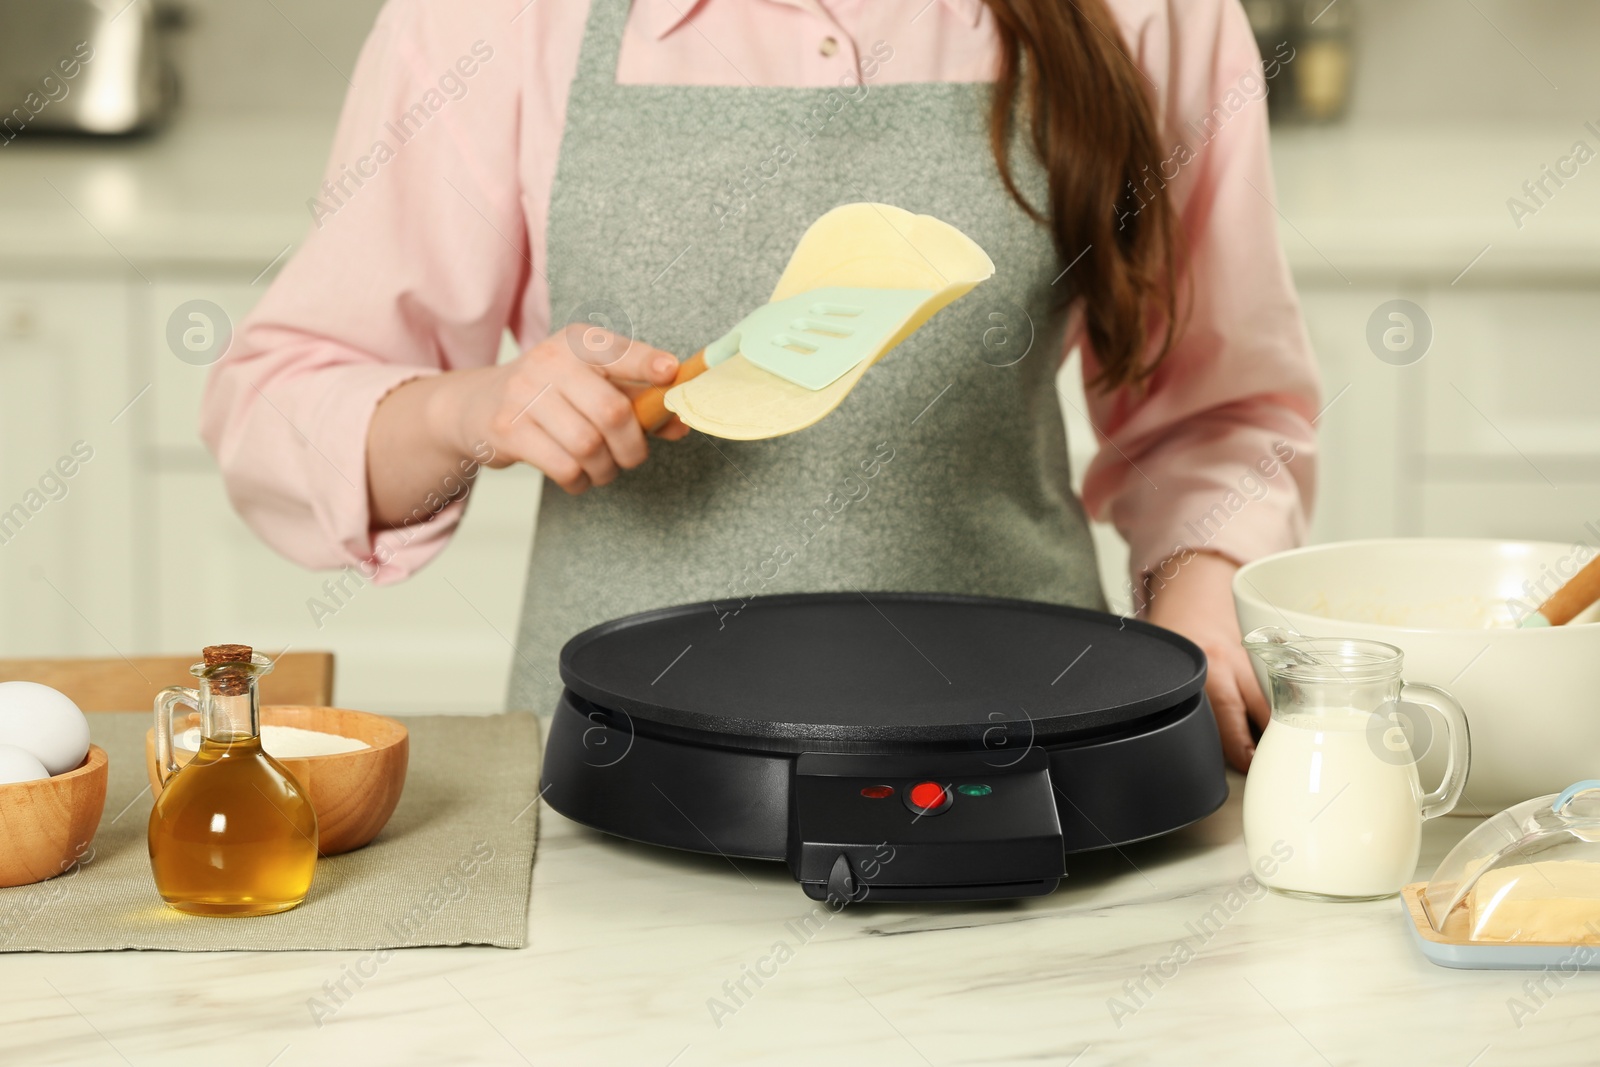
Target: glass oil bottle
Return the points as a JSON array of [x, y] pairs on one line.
[[232, 832]]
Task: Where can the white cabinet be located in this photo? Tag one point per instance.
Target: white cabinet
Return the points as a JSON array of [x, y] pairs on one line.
[[1511, 442], [1513, 377], [174, 415], [1362, 433], [1493, 433], [69, 480]]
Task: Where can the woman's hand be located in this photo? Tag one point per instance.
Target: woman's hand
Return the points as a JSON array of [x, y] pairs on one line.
[[564, 406], [1198, 603]]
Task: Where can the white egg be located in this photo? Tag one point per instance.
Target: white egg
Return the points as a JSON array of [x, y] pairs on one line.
[[45, 722], [19, 765]]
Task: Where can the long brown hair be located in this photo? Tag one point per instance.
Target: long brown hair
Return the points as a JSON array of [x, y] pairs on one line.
[[1093, 126]]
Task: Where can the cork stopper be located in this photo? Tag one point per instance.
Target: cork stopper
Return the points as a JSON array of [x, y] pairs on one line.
[[216, 655], [226, 682]]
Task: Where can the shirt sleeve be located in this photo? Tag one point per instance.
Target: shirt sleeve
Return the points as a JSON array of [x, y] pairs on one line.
[[413, 264], [1217, 451]]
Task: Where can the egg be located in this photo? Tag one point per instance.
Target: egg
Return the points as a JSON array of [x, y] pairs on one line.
[[19, 765], [40, 720]]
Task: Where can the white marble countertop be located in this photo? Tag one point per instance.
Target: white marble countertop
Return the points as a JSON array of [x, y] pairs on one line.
[[1382, 204], [629, 943]]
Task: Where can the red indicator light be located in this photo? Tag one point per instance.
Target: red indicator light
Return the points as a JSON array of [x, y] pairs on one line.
[[928, 795], [878, 792]]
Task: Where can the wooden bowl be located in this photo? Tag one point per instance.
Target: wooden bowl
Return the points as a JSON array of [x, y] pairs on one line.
[[46, 826], [353, 793]]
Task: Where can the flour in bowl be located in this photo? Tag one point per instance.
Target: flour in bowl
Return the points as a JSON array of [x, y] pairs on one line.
[[1381, 607], [285, 742]]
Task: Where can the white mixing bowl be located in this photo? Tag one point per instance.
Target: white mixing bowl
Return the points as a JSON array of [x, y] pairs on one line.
[[1532, 696]]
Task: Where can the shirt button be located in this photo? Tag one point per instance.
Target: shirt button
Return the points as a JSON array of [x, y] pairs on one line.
[[829, 46]]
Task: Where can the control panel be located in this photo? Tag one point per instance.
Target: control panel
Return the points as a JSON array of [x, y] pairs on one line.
[[938, 826]]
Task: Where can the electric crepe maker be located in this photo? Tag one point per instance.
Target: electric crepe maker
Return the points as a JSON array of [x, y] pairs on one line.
[[902, 747]]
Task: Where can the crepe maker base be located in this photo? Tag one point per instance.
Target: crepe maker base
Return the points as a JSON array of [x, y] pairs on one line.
[[885, 746]]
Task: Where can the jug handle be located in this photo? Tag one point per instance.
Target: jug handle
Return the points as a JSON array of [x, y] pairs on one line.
[[1444, 799], [167, 701]]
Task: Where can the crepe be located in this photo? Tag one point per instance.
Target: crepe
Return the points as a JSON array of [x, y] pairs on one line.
[[870, 245]]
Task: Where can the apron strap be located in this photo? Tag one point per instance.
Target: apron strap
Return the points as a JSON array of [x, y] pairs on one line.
[[602, 42]]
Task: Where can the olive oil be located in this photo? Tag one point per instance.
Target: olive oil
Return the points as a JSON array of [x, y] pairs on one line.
[[232, 832]]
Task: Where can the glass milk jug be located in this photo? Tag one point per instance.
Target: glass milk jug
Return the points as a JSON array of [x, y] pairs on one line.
[[1332, 806], [232, 832]]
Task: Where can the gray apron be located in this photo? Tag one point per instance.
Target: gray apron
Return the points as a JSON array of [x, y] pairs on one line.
[[673, 212]]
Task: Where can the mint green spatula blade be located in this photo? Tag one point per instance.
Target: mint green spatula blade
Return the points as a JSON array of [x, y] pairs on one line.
[[814, 338]]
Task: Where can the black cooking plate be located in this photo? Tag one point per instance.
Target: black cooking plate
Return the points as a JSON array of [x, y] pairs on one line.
[[907, 669], [903, 746]]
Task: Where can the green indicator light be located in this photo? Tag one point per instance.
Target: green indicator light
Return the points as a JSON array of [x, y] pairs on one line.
[[974, 790]]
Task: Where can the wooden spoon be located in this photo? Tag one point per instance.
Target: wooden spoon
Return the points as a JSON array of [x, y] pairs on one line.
[[1566, 603]]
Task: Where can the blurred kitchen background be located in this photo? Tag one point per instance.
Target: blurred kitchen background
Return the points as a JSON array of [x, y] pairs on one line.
[[1402, 127]]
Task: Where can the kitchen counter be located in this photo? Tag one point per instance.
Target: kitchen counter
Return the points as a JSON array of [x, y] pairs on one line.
[[1424, 204], [201, 192], [1354, 202], [629, 945]]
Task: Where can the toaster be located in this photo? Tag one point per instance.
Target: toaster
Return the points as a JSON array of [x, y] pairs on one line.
[[83, 66]]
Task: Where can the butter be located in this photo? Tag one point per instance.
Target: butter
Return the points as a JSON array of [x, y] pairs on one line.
[[1555, 901]]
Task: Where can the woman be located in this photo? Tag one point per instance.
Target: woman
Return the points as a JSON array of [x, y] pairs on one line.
[[648, 166]]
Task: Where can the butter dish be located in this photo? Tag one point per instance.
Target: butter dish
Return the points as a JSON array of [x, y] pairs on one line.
[[1522, 890]]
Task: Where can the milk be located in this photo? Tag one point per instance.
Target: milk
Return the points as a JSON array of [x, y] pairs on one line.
[[1352, 817]]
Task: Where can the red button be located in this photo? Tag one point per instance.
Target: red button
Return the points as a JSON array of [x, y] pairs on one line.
[[928, 795], [878, 792]]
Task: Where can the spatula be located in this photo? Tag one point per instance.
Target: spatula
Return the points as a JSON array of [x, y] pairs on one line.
[[863, 278], [811, 340]]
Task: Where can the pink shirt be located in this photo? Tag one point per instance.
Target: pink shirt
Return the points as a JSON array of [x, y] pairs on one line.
[[428, 239]]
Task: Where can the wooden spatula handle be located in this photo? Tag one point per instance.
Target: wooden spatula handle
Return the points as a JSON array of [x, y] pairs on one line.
[[650, 406], [1567, 602]]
